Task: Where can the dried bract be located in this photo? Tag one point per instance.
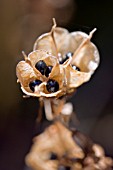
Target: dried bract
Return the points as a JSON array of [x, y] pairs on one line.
[[56, 140], [59, 148]]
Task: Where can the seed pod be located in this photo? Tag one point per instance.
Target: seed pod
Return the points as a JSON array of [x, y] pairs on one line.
[[28, 72], [85, 54], [59, 63]]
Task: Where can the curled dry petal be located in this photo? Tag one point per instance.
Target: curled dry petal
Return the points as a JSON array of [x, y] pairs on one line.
[[25, 74], [51, 41], [76, 77], [59, 141], [71, 148], [87, 58]]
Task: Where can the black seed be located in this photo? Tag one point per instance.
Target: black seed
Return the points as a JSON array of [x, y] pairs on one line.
[[48, 70], [52, 86], [53, 156], [67, 56], [62, 61], [76, 68], [61, 167], [41, 66], [34, 83]]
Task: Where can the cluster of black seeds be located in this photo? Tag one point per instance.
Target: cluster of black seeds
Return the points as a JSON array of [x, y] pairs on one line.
[[67, 56], [52, 85]]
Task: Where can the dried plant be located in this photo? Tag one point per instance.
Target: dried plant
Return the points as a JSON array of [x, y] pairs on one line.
[[59, 63]]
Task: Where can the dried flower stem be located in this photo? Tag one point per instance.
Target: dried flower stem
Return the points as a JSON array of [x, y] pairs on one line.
[[48, 109], [52, 35]]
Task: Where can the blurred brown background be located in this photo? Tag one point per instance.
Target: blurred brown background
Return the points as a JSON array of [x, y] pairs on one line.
[[21, 22]]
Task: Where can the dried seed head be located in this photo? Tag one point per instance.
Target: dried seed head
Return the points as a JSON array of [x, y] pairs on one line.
[[85, 55], [43, 70], [68, 59]]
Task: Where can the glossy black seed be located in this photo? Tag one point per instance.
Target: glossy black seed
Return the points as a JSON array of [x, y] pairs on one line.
[[48, 70], [52, 86], [53, 156], [62, 61], [41, 66], [69, 54], [76, 68], [34, 83], [61, 167]]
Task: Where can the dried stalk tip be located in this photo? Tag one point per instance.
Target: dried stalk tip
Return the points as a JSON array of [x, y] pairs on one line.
[[54, 23], [25, 56]]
